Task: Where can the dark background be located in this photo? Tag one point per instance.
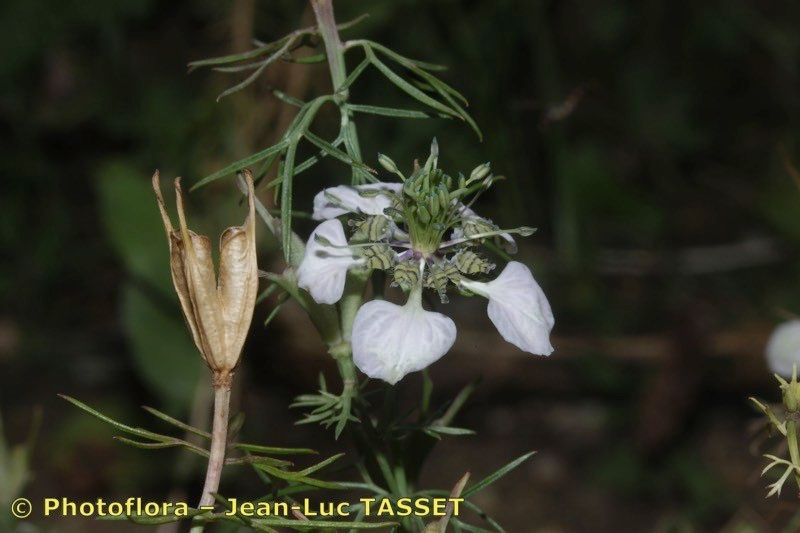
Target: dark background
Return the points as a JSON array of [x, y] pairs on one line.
[[646, 140]]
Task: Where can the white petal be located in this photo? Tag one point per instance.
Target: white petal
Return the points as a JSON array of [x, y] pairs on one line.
[[466, 212], [389, 340], [324, 268], [518, 308], [350, 201], [783, 348]]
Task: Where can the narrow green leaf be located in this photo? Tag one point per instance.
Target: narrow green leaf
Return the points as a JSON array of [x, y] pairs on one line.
[[403, 60], [146, 445], [186, 427], [273, 450], [458, 402], [389, 111], [438, 85], [266, 293], [408, 88], [239, 68], [293, 476], [307, 60], [241, 164], [336, 153], [264, 64], [287, 176], [321, 524], [427, 390], [320, 465], [298, 128], [148, 520], [291, 100], [497, 474], [119, 425], [354, 75], [264, 48], [275, 310], [448, 430]]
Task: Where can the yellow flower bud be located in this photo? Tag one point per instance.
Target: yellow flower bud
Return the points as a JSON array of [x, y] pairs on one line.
[[217, 310]]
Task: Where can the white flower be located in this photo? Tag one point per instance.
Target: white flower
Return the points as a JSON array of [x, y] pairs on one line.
[[390, 341], [335, 201], [518, 308], [324, 268], [783, 348]]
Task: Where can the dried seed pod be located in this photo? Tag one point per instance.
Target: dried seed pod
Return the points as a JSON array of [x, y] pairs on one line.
[[217, 310]]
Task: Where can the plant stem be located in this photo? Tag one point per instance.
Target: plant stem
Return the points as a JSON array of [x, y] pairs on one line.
[[334, 51], [323, 11], [794, 451], [219, 437]]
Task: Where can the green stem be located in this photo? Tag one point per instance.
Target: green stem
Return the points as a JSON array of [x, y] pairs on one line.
[[334, 50], [323, 11], [351, 301], [794, 451]]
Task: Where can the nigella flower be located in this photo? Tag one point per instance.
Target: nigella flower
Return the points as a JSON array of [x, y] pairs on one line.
[[518, 308], [401, 228], [369, 199], [390, 341], [783, 348], [326, 262]]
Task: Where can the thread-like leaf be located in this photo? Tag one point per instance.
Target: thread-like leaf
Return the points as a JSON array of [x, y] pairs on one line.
[[497, 474], [389, 111], [354, 75], [330, 149], [272, 450], [241, 164], [400, 58], [139, 432], [182, 425], [408, 88]]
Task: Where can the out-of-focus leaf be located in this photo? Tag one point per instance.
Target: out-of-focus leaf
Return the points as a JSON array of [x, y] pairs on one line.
[[132, 223], [163, 352], [165, 356]]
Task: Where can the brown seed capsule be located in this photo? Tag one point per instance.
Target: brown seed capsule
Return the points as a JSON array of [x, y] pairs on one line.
[[217, 310]]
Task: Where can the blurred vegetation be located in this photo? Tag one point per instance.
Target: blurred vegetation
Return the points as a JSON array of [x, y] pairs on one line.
[[642, 138]]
